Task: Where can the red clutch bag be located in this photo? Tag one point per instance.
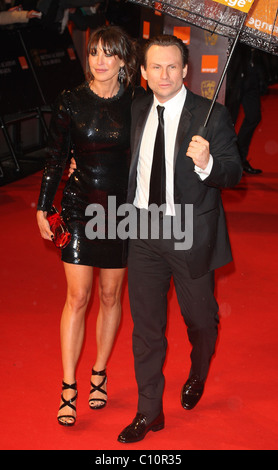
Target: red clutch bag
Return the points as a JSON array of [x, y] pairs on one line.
[[58, 227]]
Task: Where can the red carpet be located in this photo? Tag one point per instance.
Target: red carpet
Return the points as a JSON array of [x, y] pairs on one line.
[[239, 409]]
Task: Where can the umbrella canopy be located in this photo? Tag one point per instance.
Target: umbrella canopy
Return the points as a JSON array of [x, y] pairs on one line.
[[255, 19]]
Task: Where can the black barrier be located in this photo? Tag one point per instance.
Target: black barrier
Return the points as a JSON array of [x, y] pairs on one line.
[[36, 64], [53, 59], [18, 88]]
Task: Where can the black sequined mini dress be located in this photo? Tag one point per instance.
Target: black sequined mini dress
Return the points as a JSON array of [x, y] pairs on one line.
[[98, 132]]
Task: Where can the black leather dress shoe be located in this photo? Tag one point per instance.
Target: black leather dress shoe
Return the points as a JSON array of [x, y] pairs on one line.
[[138, 429], [192, 392], [247, 168]]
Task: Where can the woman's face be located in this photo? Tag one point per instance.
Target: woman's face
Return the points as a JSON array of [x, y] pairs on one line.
[[103, 65]]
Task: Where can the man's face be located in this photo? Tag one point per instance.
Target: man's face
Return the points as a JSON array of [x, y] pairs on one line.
[[164, 71]]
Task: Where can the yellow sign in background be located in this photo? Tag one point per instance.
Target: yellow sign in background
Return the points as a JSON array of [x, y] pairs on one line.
[[242, 5]]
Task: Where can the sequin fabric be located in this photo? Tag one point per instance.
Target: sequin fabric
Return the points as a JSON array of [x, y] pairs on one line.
[[98, 132]]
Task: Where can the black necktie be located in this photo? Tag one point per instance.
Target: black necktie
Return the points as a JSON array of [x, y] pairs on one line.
[[158, 173]]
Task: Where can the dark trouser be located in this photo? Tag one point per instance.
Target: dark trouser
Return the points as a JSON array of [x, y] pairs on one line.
[[250, 98], [151, 265]]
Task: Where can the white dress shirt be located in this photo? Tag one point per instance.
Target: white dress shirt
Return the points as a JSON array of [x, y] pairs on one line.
[[172, 113]]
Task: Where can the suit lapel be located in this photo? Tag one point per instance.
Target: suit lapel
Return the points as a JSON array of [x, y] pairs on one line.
[[182, 131], [140, 125], [137, 128], [184, 123]]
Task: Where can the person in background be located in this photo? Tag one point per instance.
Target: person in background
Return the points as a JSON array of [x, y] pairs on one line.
[[94, 121], [15, 14], [83, 13], [246, 83]]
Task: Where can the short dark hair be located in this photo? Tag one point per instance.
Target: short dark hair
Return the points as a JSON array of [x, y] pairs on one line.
[[165, 40], [117, 42]]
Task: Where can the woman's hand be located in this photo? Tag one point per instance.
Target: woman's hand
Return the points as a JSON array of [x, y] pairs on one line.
[[34, 14], [72, 166], [16, 8], [44, 225]]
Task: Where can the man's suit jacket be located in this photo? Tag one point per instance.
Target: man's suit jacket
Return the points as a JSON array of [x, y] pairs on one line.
[[211, 247]]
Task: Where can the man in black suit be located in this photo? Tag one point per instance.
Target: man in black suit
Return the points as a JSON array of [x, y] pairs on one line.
[[195, 169]]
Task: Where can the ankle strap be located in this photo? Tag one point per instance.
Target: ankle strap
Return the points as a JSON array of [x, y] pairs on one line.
[[69, 386], [101, 372]]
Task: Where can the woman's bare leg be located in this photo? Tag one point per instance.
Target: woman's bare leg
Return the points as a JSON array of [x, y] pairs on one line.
[[109, 317], [79, 281]]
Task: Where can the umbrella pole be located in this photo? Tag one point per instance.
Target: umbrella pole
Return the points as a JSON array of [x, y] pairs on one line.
[[203, 129]]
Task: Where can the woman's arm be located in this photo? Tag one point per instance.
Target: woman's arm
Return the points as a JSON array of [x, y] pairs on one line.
[[58, 151], [16, 16]]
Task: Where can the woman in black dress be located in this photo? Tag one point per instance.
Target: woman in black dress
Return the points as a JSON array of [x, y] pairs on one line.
[[94, 121]]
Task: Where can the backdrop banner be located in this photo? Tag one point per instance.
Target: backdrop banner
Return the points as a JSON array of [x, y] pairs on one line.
[[207, 52]]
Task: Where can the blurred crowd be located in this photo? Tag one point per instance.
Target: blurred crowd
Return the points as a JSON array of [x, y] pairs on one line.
[[84, 14]]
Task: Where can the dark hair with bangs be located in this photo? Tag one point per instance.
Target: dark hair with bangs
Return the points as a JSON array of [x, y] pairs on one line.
[[115, 41], [165, 40]]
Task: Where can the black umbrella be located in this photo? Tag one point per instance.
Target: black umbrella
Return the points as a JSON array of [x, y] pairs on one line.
[[252, 22]]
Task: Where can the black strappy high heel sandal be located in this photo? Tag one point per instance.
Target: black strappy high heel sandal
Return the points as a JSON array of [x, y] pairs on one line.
[[69, 404], [97, 388]]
